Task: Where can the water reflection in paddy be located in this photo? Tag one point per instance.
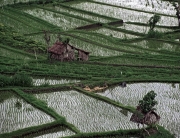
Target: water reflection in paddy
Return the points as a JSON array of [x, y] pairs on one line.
[[86, 113], [17, 114], [168, 97], [44, 81]]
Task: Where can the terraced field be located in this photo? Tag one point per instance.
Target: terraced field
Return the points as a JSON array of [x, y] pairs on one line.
[[46, 98]]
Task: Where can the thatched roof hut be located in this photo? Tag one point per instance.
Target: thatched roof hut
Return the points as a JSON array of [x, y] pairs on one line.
[[148, 118], [83, 55], [61, 51], [66, 52]]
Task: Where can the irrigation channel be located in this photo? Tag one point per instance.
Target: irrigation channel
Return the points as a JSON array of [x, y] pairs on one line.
[[41, 97]]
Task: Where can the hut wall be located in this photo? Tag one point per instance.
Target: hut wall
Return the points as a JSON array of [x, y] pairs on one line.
[[82, 55]]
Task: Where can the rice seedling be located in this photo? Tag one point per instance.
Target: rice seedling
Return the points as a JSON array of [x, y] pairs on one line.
[[43, 81], [110, 42], [87, 114], [40, 38], [60, 20], [94, 49], [6, 2], [18, 26], [158, 45], [86, 16], [57, 134], [142, 29], [168, 96], [132, 60], [105, 44], [113, 33], [125, 14], [8, 53], [17, 114], [163, 7]]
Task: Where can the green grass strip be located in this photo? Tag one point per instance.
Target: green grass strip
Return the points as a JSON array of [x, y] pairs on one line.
[[163, 133], [97, 44], [31, 130], [17, 19], [21, 52]]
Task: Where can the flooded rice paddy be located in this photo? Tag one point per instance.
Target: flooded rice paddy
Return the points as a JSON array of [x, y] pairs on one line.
[[57, 132], [168, 98], [60, 20], [94, 48], [112, 33], [125, 14], [17, 114], [86, 113], [142, 29], [45, 81], [84, 15], [163, 7]]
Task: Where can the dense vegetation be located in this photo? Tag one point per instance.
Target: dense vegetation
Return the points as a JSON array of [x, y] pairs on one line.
[[118, 53]]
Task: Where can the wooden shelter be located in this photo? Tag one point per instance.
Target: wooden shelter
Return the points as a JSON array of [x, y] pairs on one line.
[[83, 55], [66, 52], [149, 118]]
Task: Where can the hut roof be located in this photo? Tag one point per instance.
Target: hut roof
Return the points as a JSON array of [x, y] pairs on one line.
[[57, 48], [145, 118]]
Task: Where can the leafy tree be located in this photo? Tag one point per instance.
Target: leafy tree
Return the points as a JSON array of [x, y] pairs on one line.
[[177, 8], [153, 21], [148, 102]]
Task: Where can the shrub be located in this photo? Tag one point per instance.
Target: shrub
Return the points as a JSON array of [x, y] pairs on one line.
[[148, 102], [21, 79], [4, 80], [154, 34]]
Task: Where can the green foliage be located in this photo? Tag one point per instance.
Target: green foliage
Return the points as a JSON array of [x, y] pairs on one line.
[[4, 95], [21, 79], [154, 34], [18, 104], [153, 21], [4, 81], [9, 37], [148, 102]]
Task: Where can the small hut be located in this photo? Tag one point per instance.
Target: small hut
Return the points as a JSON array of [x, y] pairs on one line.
[[149, 118], [83, 55], [66, 52], [61, 51]]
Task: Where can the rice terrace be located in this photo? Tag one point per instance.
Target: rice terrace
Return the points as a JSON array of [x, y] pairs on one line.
[[89, 69]]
